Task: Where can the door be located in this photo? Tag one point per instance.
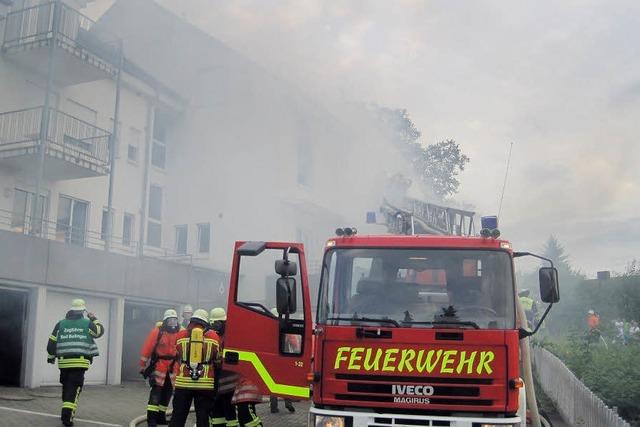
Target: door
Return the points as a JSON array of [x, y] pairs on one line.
[[13, 309], [139, 320], [56, 308], [270, 346], [72, 220]]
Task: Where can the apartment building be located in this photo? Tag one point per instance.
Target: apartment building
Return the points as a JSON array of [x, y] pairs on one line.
[[156, 154], [67, 88]]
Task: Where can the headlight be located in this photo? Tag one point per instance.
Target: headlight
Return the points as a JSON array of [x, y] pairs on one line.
[[327, 421]]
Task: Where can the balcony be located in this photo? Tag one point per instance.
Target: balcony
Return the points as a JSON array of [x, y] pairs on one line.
[[84, 52], [74, 148]]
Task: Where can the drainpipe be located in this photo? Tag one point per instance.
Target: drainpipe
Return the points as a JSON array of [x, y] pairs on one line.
[[145, 181], [112, 151], [44, 120]]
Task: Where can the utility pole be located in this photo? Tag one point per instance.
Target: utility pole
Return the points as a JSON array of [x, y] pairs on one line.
[[44, 122], [112, 150]]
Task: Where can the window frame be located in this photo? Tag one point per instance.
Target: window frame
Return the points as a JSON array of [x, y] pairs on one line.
[[200, 235]]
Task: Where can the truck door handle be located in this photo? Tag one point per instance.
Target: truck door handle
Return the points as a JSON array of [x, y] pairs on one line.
[[231, 357]]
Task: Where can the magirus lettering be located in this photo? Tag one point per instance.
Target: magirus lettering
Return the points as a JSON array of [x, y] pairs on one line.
[[412, 390]]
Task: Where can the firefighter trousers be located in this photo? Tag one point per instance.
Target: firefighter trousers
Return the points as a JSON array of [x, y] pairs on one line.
[[223, 413], [202, 401], [247, 416], [159, 398], [72, 380]]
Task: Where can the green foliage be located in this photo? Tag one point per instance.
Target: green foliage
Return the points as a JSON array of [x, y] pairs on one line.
[[613, 372], [437, 165]]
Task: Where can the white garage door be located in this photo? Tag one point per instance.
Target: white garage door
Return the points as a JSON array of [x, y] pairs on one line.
[[56, 308]]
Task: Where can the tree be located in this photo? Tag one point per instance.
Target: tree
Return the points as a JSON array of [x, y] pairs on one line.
[[442, 162], [436, 165]]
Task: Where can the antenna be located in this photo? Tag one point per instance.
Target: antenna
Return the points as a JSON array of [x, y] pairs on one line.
[[506, 175]]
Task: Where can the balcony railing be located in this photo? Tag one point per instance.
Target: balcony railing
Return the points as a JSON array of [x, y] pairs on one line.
[[20, 222], [35, 26], [66, 135]]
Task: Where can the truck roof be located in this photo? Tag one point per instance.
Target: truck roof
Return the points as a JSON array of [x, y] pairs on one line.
[[419, 241]]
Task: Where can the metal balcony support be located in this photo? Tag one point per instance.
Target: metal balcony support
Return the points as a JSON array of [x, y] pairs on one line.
[[44, 119]]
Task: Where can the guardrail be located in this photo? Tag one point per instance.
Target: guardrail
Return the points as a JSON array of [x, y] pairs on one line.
[[19, 222], [577, 405]]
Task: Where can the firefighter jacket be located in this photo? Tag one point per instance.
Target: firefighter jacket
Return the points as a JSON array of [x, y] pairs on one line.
[[72, 341], [159, 355], [196, 357], [246, 392]]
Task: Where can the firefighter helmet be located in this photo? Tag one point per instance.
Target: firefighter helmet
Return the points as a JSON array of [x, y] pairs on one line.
[[78, 305], [216, 314], [200, 315], [170, 313]]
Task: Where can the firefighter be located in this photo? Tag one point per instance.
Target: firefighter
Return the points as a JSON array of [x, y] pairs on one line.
[[197, 348], [187, 312], [223, 413], [72, 343], [292, 346], [529, 306], [158, 364], [245, 397]]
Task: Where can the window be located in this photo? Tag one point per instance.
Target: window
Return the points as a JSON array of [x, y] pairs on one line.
[[72, 220], [204, 237], [158, 154], [22, 205], [128, 222], [181, 239], [103, 229], [158, 148], [134, 143], [155, 202], [154, 234]]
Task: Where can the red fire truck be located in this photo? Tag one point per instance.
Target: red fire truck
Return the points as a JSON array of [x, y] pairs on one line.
[[409, 330]]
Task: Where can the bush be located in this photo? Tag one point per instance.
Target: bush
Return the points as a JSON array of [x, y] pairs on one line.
[[612, 373]]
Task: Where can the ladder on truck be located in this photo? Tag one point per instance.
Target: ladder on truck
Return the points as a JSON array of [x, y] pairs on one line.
[[415, 216]]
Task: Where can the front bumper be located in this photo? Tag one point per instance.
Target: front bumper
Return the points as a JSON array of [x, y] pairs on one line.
[[371, 419]]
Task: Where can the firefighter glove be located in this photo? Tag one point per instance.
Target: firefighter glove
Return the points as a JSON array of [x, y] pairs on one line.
[[143, 372], [152, 382], [92, 317], [51, 360]]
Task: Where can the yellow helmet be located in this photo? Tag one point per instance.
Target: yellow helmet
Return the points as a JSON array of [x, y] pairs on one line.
[[217, 313]]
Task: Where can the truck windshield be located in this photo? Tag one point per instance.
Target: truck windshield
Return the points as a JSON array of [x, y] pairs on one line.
[[417, 288]]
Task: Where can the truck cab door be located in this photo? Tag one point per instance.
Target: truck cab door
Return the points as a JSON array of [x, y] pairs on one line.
[[268, 333]]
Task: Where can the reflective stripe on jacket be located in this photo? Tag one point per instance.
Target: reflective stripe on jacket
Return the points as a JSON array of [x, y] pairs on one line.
[[246, 392], [72, 341], [209, 353]]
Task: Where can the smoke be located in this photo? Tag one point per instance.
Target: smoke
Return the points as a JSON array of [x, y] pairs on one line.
[[559, 80]]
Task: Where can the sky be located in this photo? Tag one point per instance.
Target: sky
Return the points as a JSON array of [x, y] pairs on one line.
[[559, 80]]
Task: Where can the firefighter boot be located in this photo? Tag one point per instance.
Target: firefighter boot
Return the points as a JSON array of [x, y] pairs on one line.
[[289, 406], [162, 419], [65, 417], [152, 418]]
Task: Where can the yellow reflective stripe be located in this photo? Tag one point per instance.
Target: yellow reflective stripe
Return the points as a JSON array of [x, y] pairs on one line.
[[73, 363], [153, 408], [53, 338], [218, 421], [275, 388], [162, 408], [69, 405]]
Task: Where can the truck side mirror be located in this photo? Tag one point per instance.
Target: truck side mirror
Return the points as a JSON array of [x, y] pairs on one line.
[[549, 287], [286, 268], [286, 295]]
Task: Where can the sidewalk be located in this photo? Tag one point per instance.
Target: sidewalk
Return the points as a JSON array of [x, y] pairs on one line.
[[107, 406]]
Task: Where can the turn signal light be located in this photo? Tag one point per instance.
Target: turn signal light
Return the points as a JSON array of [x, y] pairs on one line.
[[313, 377]]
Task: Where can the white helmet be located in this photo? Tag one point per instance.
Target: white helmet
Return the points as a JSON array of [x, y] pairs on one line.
[[78, 305], [591, 312], [201, 314], [169, 313]]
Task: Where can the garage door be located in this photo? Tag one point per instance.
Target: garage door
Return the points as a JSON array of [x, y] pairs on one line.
[[57, 306]]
